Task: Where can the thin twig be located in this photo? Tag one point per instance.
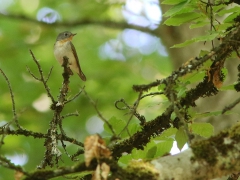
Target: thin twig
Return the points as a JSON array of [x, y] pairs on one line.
[[15, 118], [71, 140], [4, 133], [79, 152], [137, 115], [74, 97], [30, 72], [229, 107], [151, 94], [8, 164], [133, 112], [99, 113], [41, 77], [70, 114], [49, 74]]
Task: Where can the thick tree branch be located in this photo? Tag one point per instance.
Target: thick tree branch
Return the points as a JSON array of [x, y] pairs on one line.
[[86, 22], [207, 159]]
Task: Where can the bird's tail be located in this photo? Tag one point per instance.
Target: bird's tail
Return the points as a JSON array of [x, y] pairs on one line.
[[82, 76]]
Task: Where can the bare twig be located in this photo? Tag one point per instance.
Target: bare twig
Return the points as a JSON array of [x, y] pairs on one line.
[[137, 115], [71, 140], [70, 114], [42, 79], [99, 113], [151, 94], [74, 97], [229, 107], [3, 132], [49, 74], [15, 118], [79, 152], [30, 72], [133, 112], [7, 163]]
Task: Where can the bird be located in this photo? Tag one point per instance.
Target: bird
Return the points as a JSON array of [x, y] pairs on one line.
[[64, 47]]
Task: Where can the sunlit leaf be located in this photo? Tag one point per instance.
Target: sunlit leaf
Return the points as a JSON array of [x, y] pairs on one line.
[[202, 129], [179, 9], [173, 2], [133, 128], [181, 90], [228, 10], [161, 87], [181, 18], [197, 39], [151, 152], [194, 77], [187, 42], [231, 17], [181, 138], [199, 24], [167, 134], [125, 159], [228, 87], [163, 148]]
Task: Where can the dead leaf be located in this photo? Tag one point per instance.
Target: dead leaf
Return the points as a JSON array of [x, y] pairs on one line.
[[105, 171], [215, 75], [96, 174], [18, 175], [95, 147]]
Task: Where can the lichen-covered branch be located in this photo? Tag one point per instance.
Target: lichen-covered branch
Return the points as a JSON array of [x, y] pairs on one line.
[[207, 159]]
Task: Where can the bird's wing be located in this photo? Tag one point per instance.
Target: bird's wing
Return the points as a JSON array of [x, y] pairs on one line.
[[80, 73]]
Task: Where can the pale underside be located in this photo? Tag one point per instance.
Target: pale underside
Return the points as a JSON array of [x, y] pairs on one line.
[[64, 49]]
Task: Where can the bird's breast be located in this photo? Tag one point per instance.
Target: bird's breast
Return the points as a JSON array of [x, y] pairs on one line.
[[62, 49]]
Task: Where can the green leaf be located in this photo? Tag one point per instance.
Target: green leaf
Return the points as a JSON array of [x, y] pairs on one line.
[[228, 87], [207, 114], [181, 91], [133, 128], [168, 134], [230, 18], [161, 87], [223, 26], [151, 152], [187, 42], [208, 37], [163, 148], [181, 138], [194, 77], [140, 154], [148, 152], [117, 125], [181, 18], [202, 129], [179, 9], [199, 24], [173, 2], [125, 159], [231, 10]]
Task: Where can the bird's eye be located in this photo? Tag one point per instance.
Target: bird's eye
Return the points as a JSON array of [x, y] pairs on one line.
[[65, 34]]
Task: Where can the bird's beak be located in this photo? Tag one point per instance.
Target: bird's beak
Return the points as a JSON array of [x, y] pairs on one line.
[[74, 34]]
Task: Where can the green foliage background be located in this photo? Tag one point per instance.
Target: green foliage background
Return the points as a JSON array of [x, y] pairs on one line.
[[107, 80]]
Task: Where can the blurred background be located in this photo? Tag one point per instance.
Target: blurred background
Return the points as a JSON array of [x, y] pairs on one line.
[[120, 43], [113, 56]]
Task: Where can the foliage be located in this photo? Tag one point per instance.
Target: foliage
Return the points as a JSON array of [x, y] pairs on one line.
[[139, 124]]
